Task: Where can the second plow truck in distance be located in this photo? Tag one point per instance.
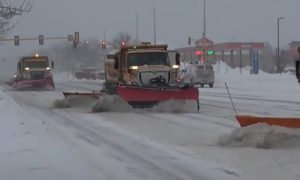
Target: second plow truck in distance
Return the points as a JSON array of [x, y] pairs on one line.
[[144, 75], [33, 72]]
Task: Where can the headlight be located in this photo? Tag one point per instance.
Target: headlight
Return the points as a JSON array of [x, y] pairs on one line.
[[27, 68], [15, 76], [134, 67], [48, 68], [175, 66]]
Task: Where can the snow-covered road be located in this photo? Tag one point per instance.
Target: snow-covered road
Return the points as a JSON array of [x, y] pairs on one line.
[[151, 145], [112, 151]]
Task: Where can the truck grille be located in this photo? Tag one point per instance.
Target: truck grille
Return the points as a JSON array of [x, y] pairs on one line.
[[37, 74], [148, 78]]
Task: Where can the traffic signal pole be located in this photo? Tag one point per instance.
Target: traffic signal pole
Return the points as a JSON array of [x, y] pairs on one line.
[[41, 39]]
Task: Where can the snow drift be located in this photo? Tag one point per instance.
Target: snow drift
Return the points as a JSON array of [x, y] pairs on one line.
[[111, 103], [262, 136], [176, 106], [106, 103]]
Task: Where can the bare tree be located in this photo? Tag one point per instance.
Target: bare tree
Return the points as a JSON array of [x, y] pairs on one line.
[[9, 9]]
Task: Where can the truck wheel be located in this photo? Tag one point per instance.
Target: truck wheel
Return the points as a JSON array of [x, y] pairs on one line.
[[211, 85]]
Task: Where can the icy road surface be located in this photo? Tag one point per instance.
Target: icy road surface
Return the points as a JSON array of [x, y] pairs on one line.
[[45, 142]]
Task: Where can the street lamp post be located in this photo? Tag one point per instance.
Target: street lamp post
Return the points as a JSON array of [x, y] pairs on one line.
[[204, 19], [278, 48], [137, 27], [154, 23]]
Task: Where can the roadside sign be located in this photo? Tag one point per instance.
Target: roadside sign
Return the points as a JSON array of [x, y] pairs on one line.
[[254, 62]]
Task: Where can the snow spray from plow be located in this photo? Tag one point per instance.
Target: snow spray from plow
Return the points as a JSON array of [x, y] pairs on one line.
[[107, 103]]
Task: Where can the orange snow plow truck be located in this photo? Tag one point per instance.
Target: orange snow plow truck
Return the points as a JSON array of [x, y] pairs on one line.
[[33, 72], [144, 75]]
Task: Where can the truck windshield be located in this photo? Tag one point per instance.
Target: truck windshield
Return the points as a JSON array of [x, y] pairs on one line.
[[148, 58], [36, 64]]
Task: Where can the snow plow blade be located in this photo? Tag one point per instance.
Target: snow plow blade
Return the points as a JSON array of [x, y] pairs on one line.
[[38, 83], [246, 120], [95, 95], [141, 97]]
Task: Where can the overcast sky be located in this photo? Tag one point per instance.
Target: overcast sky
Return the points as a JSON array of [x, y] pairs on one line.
[[227, 20]]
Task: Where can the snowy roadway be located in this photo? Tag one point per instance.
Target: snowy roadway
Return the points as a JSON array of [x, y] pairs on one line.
[[42, 141]]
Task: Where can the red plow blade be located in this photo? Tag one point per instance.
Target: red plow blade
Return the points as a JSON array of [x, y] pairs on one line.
[[246, 120], [143, 97], [151, 96], [33, 83], [95, 95]]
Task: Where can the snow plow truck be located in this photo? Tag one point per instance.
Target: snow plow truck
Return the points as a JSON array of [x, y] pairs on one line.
[[33, 72], [144, 75]]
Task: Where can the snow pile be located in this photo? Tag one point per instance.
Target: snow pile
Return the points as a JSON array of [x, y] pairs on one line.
[[176, 106], [111, 103], [75, 101], [262, 136]]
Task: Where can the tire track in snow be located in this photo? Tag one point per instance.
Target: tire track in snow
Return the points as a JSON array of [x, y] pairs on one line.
[[163, 164]]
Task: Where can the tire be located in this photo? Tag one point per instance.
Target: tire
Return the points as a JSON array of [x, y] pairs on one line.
[[201, 85], [211, 85]]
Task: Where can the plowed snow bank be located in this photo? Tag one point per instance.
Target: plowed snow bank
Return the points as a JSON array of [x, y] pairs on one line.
[[262, 136]]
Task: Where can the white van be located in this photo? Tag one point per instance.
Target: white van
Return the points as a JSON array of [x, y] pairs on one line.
[[198, 73]]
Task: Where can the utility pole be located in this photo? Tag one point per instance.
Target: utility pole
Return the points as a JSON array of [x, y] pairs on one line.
[[137, 27], [204, 31], [278, 48], [104, 34], [154, 21], [204, 20]]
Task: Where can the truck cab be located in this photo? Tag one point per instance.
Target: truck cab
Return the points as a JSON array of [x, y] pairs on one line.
[[34, 67], [142, 65]]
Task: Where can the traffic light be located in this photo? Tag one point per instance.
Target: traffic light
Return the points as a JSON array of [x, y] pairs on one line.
[[41, 39], [17, 40], [103, 44], [211, 52], [189, 40], [198, 53], [76, 39], [208, 52]]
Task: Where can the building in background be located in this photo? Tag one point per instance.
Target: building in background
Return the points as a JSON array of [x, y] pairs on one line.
[[234, 54]]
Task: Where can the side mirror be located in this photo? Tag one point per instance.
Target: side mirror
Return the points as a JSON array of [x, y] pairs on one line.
[[177, 59], [298, 70], [116, 63], [52, 64]]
